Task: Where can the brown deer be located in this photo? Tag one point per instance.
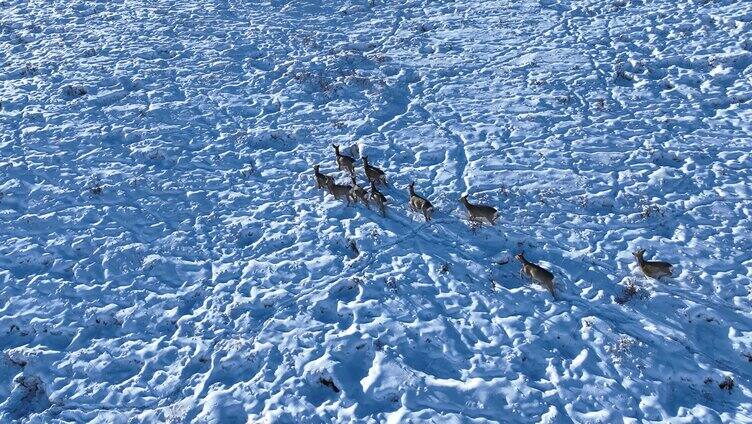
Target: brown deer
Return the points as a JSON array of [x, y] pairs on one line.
[[343, 161], [537, 273], [372, 173], [419, 203], [652, 269], [478, 212]]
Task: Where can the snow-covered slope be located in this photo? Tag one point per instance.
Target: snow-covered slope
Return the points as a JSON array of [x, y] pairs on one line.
[[165, 256]]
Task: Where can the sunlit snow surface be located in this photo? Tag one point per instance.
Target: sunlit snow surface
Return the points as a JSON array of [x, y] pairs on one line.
[[165, 256]]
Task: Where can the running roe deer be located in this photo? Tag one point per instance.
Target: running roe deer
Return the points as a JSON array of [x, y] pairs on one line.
[[372, 173], [358, 193], [652, 269], [537, 273], [344, 161], [378, 198], [478, 212], [420, 203], [320, 178], [338, 190]]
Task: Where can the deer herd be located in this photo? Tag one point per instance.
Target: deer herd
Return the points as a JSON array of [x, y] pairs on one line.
[[477, 213]]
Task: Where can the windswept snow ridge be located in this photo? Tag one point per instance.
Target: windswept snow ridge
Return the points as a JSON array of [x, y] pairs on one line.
[[165, 256]]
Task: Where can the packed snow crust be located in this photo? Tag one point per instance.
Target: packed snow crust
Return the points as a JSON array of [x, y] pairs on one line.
[[166, 257]]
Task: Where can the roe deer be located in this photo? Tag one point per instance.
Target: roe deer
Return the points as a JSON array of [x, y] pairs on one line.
[[419, 203], [378, 198], [372, 173], [653, 269], [320, 178], [358, 193], [338, 190], [537, 273], [478, 212], [344, 161]]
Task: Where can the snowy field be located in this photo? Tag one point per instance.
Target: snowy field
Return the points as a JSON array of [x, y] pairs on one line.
[[166, 257]]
